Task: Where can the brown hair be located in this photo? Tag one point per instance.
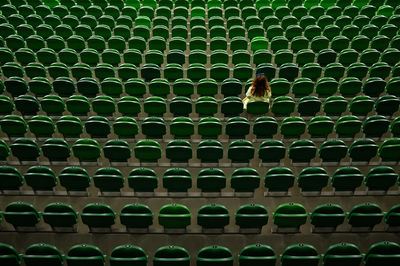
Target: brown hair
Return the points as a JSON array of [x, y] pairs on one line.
[[260, 86]]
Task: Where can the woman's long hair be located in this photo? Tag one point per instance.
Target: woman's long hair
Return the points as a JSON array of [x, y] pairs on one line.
[[260, 86]]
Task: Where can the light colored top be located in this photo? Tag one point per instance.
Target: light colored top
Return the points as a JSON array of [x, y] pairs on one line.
[[252, 98]]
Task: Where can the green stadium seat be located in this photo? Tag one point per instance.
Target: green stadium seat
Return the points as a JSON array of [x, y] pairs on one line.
[[394, 127], [56, 150], [283, 106], [392, 85], [96, 215], [177, 180], [335, 105], [213, 216], [375, 126], [392, 216], [108, 180], [214, 255], [21, 214], [180, 106], [302, 87], [292, 127], [27, 104], [86, 150], [387, 105], [374, 86], [302, 150], [309, 106], [265, 127], [74, 179], [179, 151], [59, 214], [209, 151], [16, 86], [13, 126], [245, 180], [320, 126], [290, 215], [361, 105], [251, 216], [155, 106], [382, 252], [154, 127], [69, 126], [333, 150], [279, 179], [11, 178], [237, 127], [97, 127], [174, 216], [168, 255], [347, 179], [147, 150], [257, 254], [365, 215], [25, 149], [271, 151], [362, 150], [134, 215], [83, 254], [117, 150], [143, 180], [388, 150], [348, 126], [300, 254], [241, 151], [211, 180], [327, 215], [312, 71]]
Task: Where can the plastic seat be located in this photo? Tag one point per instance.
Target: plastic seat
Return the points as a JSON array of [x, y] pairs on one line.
[[388, 150], [312, 179], [98, 127], [374, 86], [348, 126], [57, 215], [11, 178], [257, 254], [56, 150], [147, 150], [27, 104], [265, 127], [241, 151], [74, 179], [302, 151], [108, 179], [86, 150], [21, 214], [382, 252], [363, 150], [179, 151], [155, 106], [154, 127], [394, 127], [251, 216], [283, 106], [292, 127], [209, 151], [143, 180], [213, 216], [237, 127], [85, 254], [134, 215], [347, 179], [387, 105], [174, 216], [214, 255], [117, 150], [365, 215], [128, 254], [327, 215], [290, 215], [126, 127], [16, 86], [333, 150], [25, 149], [171, 255], [375, 126], [13, 126], [279, 179], [97, 215], [177, 180]]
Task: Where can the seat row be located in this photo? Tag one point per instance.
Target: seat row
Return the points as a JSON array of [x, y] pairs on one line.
[[208, 127], [276, 179], [208, 151], [297, 254], [135, 215]]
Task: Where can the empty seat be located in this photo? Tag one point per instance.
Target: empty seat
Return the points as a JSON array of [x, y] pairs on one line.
[[251, 216], [108, 179], [320, 126], [292, 127], [124, 254], [13, 126], [345, 253], [290, 215], [97, 215], [365, 215], [265, 127], [245, 180], [25, 149], [375, 126], [389, 150], [211, 180], [136, 215], [302, 151], [177, 180], [387, 105], [279, 179], [333, 150], [257, 254], [168, 255], [143, 180], [209, 151], [214, 255], [84, 254], [327, 215], [382, 252], [300, 254], [347, 179], [147, 150], [27, 104], [271, 151], [380, 178], [213, 216], [21, 214], [312, 179], [60, 214], [392, 216], [154, 127], [174, 216]]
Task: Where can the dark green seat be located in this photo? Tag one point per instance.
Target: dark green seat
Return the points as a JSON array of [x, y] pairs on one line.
[[381, 178], [69, 126], [347, 179], [312, 179], [108, 179], [10, 178], [213, 255], [363, 150], [265, 127], [241, 151], [25, 149], [177, 180], [209, 127], [382, 253], [143, 180], [392, 217], [171, 255], [290, 215], [210, 151], [86, 150], [375, 126], [279, 179], [74, 179], [125, 254], [84, 254], [147, 150], [154, 127], [271, 151], [97, 215], [300, 254], [237, 127], [98, 127], [389, 150], [174, 216], [182, 127], [117, 150], [320, 126], [365, 215], [136, 215], [13, 126], [327, 215], [333, 150], [251, 216], [125, 128], [348, 126], [21, 214], [245, 180], [302, 150], [56, 149], [213, 216], [257, 255], [342, 253], [292, 127], [60, 214]]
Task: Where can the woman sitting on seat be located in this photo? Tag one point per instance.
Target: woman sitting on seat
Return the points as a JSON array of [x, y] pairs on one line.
[[258, 91]]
